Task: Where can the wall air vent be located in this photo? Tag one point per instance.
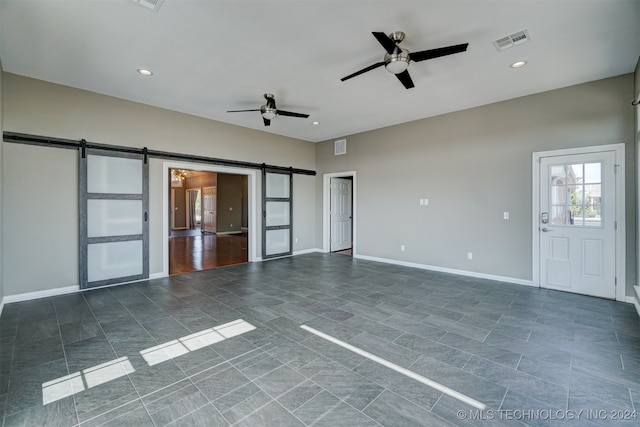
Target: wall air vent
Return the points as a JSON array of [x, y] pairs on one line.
[[340, 147], [149, 4], [511, 40]]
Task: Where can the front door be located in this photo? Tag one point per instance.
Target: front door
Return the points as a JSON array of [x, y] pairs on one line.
[[577, 221], [341, 214], [209, 209]]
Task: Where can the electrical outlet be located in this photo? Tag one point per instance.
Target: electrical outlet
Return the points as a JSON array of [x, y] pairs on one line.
[[469, 255], [426, 202], [505, 215], [296, 240], [401, 248], [421, 202]]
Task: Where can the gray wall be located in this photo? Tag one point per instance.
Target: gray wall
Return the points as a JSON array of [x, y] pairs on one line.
[[1, 186], [636, 96], [473, 165], [40, 207], [180, 206], [229, 202]]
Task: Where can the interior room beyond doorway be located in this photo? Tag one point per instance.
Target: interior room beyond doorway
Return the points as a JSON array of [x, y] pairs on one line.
[[208, 225]]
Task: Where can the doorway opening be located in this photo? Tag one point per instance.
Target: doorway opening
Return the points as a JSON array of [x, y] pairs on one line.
[[339, 213], [211, 217]]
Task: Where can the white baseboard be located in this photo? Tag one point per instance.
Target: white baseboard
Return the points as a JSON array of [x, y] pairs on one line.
[[449, 270], [40, 294], [635, 299], [307, 251]]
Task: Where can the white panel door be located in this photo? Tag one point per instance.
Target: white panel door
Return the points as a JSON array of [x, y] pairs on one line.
[[114, 228], [577, 223], [209, 199], [341, 214]]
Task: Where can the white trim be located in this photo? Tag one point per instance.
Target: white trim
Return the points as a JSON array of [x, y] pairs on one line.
[[157, 275], [40, 294], [326, 206], [448, 270], [253, 203], [620, 232], [636, 299], [307, 251]]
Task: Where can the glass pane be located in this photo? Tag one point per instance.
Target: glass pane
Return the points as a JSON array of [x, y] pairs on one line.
[[277, 241], [577, 215], [113, 217], [577, 174], [277, 213], [114, 175], [559, 215], [277, 185], [593, 216], [115, 259], [593, 173], [559, 195], [574, 195], [557, 172]]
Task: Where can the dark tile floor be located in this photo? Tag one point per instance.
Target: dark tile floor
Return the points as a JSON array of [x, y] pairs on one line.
[[153, 353]]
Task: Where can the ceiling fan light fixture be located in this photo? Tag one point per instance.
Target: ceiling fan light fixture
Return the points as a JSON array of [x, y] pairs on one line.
[[397, 62], [269, 113], [397, 66]]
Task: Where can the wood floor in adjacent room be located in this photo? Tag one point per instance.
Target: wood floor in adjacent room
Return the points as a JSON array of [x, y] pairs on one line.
[[190, 250]]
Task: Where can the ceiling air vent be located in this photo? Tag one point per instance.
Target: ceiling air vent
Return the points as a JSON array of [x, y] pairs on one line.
[[511, 40], [340, 147], [149, 4]]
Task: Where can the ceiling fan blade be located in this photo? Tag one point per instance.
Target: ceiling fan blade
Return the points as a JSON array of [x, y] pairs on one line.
[[267, 122], [405, 79], [242, 111], [388, 44], [364, 70], [290, 114], [436, 53]]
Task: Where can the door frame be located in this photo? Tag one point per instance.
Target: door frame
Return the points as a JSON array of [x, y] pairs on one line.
[[252, 191], [326, 210], [620, 231]]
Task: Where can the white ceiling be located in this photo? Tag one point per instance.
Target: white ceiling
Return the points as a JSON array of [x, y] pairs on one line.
[[210, 56]]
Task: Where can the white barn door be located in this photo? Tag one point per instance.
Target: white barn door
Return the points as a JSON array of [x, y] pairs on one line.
[[114, 224]]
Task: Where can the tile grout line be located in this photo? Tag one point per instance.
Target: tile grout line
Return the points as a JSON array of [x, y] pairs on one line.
[[64, 353]]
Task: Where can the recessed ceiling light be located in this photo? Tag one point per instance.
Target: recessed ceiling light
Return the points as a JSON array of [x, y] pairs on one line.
[[145, 72], [518, 64], [315, 123]]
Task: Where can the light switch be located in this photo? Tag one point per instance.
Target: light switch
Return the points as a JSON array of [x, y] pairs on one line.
[[505, 215]]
